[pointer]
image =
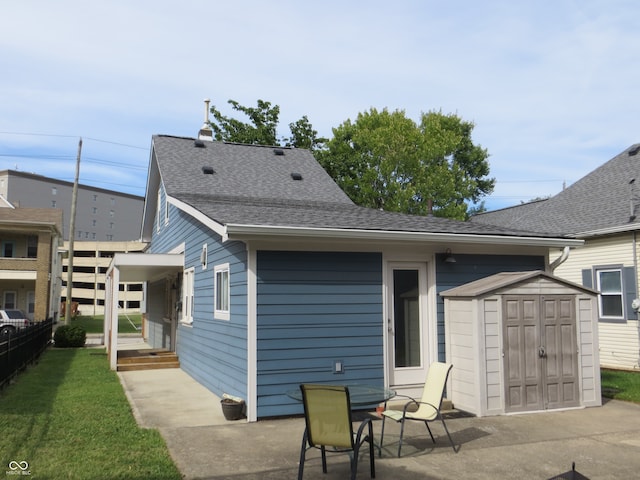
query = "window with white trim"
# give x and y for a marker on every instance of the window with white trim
(166, 212)
(187, 295)
(611, 298)
(9, 300)
(158, 210)
(222, 291)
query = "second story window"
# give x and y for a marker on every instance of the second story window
(7, 249)
(158, 210)
(32, 246)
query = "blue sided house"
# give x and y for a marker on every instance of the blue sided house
(262, 274)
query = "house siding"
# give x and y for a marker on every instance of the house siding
(213, 351)
(468, 268)
(619, 340)
(315, 308)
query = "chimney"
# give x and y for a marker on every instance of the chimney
(206, 133)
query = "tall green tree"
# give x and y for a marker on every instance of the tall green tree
(261, 127)
(385, 160)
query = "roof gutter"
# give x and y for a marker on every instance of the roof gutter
(607, 231)
(241, 232)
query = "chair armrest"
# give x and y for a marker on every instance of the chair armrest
(365, 422)
(430, 404)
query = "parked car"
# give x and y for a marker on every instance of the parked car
(11, 320)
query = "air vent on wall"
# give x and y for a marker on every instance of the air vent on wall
(208, 170)
(296, 176)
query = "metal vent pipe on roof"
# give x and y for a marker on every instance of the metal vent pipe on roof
(206, 132)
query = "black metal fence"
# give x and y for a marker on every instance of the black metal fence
(19, 349)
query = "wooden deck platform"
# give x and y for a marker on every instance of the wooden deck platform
(146, 359)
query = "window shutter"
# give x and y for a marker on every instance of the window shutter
(587, 278)
(630, 289)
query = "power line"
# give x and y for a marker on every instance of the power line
(74, 136)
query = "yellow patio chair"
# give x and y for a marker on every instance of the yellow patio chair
(428, 407)
(327, 414)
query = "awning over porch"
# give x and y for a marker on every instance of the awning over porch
(132, 267)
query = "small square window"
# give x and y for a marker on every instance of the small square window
(204, 257)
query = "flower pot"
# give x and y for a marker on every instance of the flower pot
(231, 409)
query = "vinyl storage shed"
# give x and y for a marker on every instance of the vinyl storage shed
(522, 342)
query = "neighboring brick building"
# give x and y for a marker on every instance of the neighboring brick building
(30, 261)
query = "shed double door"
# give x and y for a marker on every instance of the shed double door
(540, 352)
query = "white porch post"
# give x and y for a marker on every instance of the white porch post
(113, 315)
(107, 311)
(252, 337)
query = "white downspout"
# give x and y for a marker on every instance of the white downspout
(560, 260)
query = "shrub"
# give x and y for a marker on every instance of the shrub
(67, 336)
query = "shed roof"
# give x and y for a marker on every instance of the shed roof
(501, 280)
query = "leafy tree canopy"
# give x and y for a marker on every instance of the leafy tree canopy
(261, 129)
(385, 160)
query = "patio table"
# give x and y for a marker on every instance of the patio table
(360, 394)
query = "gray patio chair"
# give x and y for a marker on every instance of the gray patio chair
(428, 407)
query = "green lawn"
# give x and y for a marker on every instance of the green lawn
(95, 324)
(621, 385)
(68, 417)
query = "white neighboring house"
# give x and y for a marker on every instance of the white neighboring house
(603, 209)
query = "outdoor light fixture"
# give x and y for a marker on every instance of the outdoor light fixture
(448, 256)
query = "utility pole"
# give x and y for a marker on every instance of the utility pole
(72, 234)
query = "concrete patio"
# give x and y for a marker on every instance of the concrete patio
(604, 442)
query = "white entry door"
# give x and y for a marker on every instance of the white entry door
(407, 323)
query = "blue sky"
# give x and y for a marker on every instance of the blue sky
(552, 86)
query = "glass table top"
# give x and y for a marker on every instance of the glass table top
(360, 394)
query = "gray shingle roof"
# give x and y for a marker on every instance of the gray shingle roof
(253, 186)
(243, 171)
(600, 200)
